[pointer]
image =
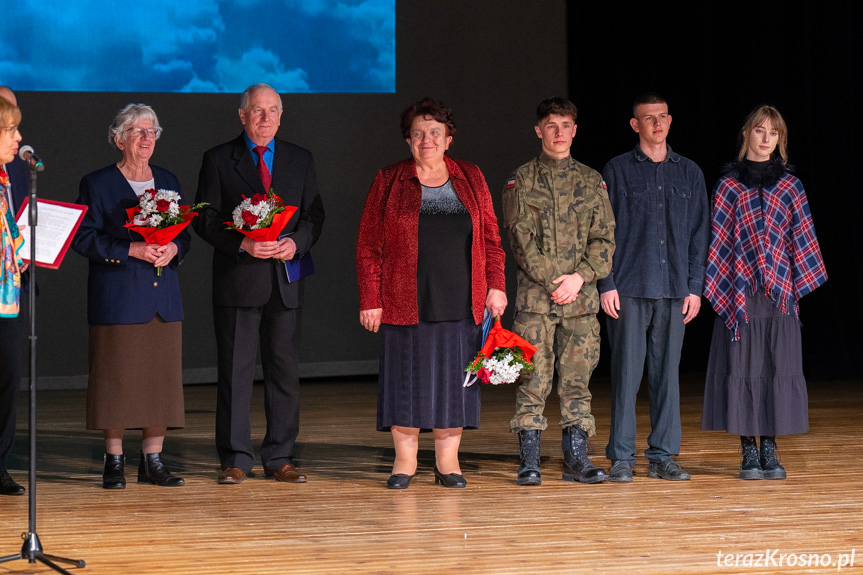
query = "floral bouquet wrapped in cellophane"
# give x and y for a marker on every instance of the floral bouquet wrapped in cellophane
(503, 358)
(159, 217)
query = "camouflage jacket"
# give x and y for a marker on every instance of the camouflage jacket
(559, 221)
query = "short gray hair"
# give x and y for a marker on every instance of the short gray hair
(127, 117)
(247, 93)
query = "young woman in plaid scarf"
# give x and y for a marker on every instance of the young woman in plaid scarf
(763, 258)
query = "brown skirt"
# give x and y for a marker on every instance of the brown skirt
(136, 376)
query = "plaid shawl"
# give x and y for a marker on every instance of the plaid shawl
(774, 249)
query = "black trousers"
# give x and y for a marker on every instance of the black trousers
(239, 330)
(13, 351)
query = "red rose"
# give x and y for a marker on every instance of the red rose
(162, 205)
(148, 194)
(484, 375)
(258, 198)
(249, 218)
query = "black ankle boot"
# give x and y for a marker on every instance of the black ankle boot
(769, 460)
(152, 470)
(528, 449)
(114, 476)
(577, 465)
(750, 467)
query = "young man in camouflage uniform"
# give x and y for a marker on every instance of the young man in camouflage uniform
(561, 230)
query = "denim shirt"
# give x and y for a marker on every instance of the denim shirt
(663, 226)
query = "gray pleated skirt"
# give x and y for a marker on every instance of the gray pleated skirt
(755, 386)
(136, 376)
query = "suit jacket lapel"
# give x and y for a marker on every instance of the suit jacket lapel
(159, 181)
(282, 159)
(123, 184)
(245, 166)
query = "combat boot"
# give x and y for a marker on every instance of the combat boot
(750, 467)
(528, 449)
(576, 463)
(769, 461)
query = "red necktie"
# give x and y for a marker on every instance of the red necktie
(263, 171)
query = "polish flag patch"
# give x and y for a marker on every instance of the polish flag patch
(511, 183)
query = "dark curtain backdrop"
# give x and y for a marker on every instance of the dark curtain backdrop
(714, 62)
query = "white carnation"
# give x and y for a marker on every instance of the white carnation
(147, 203)
(502, 370)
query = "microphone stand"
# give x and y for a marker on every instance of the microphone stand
(32, 547)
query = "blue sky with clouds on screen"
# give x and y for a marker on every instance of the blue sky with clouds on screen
(199, 45)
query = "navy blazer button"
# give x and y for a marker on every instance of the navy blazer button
(155, 284)
(106, 259)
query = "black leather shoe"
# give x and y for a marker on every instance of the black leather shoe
(399, 481)
(667, 469)
(621, 471)
(152, 470)
(8, 485)
(114, 476)
(750, 467)
(449, 480)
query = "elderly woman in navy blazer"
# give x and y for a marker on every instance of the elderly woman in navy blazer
(135, 315)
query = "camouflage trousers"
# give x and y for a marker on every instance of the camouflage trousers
(576, 341)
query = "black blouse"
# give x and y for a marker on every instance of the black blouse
(444, 256)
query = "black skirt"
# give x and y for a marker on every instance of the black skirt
(422, 375)
(755, 386)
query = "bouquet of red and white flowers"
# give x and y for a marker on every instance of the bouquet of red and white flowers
(159, 217)
(503, 358)
(261, 217)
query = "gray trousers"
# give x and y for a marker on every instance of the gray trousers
(652, 330)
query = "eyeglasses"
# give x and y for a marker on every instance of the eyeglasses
(149, 132)
(10, 129)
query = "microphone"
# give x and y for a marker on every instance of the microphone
(33, 161)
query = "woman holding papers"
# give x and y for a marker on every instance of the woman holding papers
(429, 262)
(133, 305)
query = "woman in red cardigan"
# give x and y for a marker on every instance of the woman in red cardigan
(429, 262)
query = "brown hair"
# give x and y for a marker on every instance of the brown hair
(555, 105)
(646, 98)
(756, 118)
(434, 109)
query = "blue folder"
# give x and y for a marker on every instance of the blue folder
(298, 268)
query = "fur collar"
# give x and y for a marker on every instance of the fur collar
(743, 172)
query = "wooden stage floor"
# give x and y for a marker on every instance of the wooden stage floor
(344, 520)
